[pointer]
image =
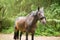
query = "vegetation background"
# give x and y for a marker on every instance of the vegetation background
(11, 9)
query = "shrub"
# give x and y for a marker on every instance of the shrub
(7, 24)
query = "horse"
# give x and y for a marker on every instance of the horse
(27, 24)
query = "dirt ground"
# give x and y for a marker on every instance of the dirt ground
(10, 37)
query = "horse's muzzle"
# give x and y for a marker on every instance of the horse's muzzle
(43, 21)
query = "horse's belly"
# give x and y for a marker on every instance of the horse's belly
(22, 28)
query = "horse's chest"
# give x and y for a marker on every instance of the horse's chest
(32, 28)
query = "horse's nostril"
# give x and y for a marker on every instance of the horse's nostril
(43, 22)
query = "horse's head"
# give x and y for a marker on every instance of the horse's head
(40, 15)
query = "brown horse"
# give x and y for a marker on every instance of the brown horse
(28, 23)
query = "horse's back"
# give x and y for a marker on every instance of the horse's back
(20, 19)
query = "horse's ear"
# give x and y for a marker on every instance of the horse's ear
(38, 8)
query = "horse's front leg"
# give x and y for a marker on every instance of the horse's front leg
(27, 31)
(20, 35)
(32, 36)
(26, 35)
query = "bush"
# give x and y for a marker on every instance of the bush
(7, 24)
(52, 28)
(53, 11)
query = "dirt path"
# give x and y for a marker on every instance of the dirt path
(10, 37)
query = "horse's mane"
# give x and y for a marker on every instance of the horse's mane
(32, 13)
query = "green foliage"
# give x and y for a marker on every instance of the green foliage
(51, 28)
(7, 24)
(53, 12)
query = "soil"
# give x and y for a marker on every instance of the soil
(10, 37)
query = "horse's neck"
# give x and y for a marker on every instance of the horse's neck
(35, 20)
(31, 19)
(35, 17)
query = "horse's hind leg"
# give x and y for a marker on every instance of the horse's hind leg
(16, 33)
(20, 35)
